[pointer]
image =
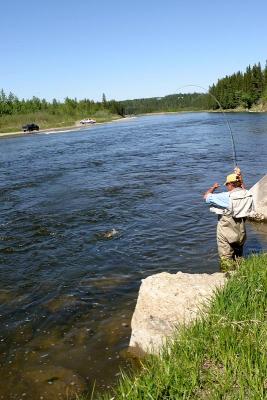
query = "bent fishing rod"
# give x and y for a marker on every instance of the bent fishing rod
(227, 122)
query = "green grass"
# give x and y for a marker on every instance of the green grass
(45, 120)
(223, 355)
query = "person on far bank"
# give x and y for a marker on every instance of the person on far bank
(232, 207)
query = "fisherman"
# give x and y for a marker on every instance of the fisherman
(232, 208)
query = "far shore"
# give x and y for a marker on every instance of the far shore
(77, 126)
(71, 128)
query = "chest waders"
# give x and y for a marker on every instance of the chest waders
(231, 228)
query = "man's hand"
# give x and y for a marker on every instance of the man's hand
(238, 173)
(216, 185)
(211, 190)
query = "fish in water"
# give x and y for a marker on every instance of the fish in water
(108, 234)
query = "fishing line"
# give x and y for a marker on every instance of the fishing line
(227, 122)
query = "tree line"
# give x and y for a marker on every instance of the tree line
(236, 90)
(170, 103)
(242, 89)
(11, 105)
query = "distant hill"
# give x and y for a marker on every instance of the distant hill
(170, 103)
(239, 91)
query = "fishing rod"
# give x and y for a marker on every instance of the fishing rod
(228, 123)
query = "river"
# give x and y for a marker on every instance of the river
(68, 290)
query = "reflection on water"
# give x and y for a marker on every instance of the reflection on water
(84, 217)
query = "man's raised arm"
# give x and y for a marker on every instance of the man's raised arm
(211, 190)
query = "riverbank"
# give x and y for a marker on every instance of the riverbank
(63, 129)
(222, 355)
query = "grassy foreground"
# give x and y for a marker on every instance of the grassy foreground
(223, 355)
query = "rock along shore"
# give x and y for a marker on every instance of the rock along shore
(259, 193)
(166, 301)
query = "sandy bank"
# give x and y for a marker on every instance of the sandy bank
(76, 127)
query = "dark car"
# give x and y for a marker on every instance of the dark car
(30, 128)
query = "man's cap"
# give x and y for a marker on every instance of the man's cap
(231, 179)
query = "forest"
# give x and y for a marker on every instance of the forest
(241, 90)
(14, 112)
(10, 105)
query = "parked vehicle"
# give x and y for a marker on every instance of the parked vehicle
(30, 128)
(87, 121)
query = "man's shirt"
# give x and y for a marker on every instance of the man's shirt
(220, 200)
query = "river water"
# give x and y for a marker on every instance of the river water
(68, 290)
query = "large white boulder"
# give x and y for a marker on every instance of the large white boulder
(164, 302)
(259, 193)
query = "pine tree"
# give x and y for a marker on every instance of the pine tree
(104, 100)
(256, 82)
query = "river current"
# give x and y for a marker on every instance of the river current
(84, 216)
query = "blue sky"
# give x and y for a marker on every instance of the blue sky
(126, 49)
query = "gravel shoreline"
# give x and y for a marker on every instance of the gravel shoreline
(76, 127)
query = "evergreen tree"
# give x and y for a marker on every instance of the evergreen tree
(256, 82)
(104, 100)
